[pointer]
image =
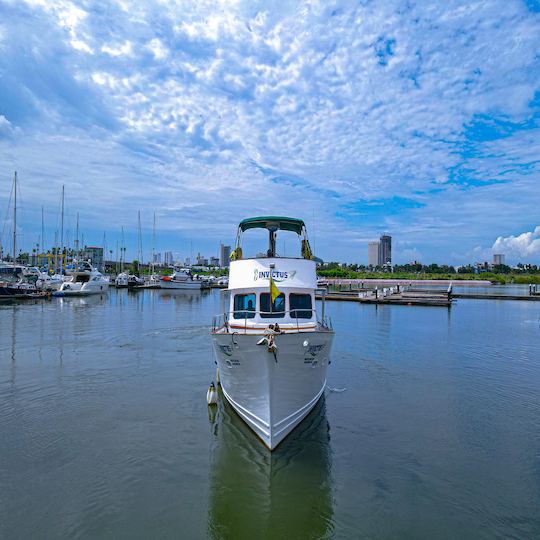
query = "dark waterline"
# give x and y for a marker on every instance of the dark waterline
(430, 427)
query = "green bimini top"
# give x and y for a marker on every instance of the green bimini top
(277, 222)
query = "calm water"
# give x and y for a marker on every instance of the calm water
(430, 428)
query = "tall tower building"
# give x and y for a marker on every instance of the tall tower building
(373, 254)
(224, 255)
(385, 250)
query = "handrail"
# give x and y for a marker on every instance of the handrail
(259, 312)
(227, 316)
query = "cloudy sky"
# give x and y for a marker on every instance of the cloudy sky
(416, 119)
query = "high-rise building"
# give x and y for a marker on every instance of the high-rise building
(373, 254)
(224, 255)
(157, 258)
(498, 258)
(94, 254)
(214, 261)
(385, 250)
(168, 258)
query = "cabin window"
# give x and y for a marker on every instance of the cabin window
(300, 306)
(244, 306)
(278, 306)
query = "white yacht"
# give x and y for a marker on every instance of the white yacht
(49, 282)
(182, 278)
(121, 281)
(272, 347)
(17, 282)
(84, 280)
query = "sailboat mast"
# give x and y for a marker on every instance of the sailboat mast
(122, 252)
(15, 218)
(153, 244)
(77, 236)
(139, 238)
(42, 231)
(62, 223)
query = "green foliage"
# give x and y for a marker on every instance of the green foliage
(341, 273)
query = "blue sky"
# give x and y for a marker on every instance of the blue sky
(416, 119)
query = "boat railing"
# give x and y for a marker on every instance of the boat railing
(222, 321)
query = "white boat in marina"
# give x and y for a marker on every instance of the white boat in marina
(121, 280)
(17, 282)
(153, 281)
(272, 347)
(135, 281)
(182, 278)
(84, 280)
(49, 282)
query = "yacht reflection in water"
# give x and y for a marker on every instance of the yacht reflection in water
(259, 494)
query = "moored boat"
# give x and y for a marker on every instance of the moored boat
(272, 346)
(121, 280)
(182, 278)
(152, 282)
(84, 280)
(16, 281)
(134, 281)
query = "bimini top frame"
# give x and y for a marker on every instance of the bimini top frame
(272, 224)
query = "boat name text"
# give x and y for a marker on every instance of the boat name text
(277, 275)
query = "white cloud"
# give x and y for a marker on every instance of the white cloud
(158, 49)
(125, 49)
(312, 102)
(526, 244)
(6, 129)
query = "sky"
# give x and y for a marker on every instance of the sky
(416, 119)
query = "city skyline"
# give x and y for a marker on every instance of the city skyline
(420, 120)
(183, 246)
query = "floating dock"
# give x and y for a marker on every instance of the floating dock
(393, 298)
(355, 291)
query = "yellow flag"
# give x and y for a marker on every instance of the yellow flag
(274, 291)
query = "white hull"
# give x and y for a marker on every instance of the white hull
(189, 285)
(273, 394)
(83, 289)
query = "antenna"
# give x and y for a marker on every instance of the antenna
(313, 230)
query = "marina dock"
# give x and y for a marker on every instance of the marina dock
(394, 298)
(402, 293)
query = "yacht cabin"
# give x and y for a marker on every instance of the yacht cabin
(251, 306)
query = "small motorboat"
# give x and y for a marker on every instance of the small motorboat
(153, 282)
(182, 278)
(121, 280)
(135, 282)
(84, 280)
(49, 282)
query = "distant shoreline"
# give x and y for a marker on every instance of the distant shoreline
(390, 282)
(487, 278)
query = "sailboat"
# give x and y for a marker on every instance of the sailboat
(13, 282)
(272, 347)
(153, 281)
